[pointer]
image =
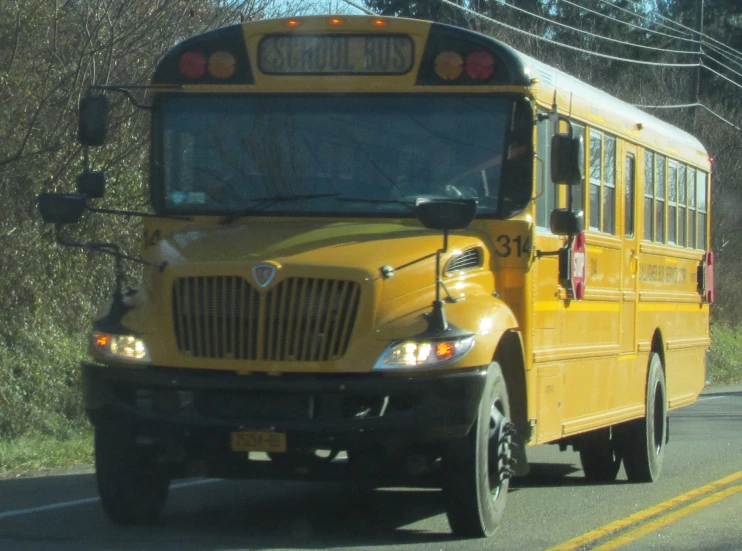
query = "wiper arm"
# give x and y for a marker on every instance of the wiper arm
(266, 202)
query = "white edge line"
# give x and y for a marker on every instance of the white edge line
(64, 504)
(707, 398)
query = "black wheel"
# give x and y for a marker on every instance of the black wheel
(133, 490)
(477, 468)
(599, 457)
(642, 442)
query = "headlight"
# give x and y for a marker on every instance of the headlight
(120, 347)
(411, 354)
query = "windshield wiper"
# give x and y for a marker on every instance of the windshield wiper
(407, 204)
(267, 202)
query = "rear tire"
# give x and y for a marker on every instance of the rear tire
(599, 457)
(477, 468)
(133, 490)
(642, 442)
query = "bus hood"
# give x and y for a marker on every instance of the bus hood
(314, 248)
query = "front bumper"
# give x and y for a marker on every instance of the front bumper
(317, 410)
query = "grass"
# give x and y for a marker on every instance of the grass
(726, 355)
(36, 452)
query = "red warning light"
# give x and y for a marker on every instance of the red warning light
(479, 65)
(192, 65)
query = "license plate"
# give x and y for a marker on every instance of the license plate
(258, 441)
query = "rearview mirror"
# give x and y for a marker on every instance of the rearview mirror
(91, 130)
(567, 159)
(92, 184)
(61, 208)
(446, 214)
(566, 222)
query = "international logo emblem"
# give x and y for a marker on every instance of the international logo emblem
(264, 274)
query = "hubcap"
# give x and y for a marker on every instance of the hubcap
(501, 461)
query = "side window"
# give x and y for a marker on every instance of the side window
(692, 207)
(701, 188)
(546, 201)
(629, 189)
(672, 202)
(648, 195)
(578, 191)
(596, 176)
(682, 204)
(659, 198)
(609, 184)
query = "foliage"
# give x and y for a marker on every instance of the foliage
(726, 351)
(50, 52)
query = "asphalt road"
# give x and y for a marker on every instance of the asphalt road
(552, 508)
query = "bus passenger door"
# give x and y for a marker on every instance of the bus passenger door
(629, 253)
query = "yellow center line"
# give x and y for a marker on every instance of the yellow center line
(667, 519)
(608, 529)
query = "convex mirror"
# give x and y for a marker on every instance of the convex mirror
(92, 184)
(446, 214)
(93, 122)
(567, 159)
(566, 222)
(61, 208)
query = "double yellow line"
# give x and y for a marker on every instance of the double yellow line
(631, 520)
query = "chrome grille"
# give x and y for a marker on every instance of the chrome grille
(466, 260)
(299, 319)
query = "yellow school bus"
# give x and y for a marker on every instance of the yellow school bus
(383, 248)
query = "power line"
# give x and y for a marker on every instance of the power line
(703, 43)
(710, 46)
(686, 105)
(725, 66)
(717, 73)
(567, 46)
(645, 18)
(674, 37)
(712, 39)
(722, 54)
(601, 37)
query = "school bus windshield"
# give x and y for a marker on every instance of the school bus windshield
(337, 155)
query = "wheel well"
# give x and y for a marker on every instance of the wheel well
(658, 346)
(509, 355)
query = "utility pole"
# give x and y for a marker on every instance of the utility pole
(695, 84)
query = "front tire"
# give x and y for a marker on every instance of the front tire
(133, 490)
(642, 443)
(477, 468)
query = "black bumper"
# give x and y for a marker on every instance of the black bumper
(312, 409)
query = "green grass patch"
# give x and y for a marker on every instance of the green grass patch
(36, 452)
(726, 355)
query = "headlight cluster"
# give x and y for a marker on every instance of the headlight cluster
(411, 354)
(120, 347)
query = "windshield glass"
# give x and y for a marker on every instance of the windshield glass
(337, 155)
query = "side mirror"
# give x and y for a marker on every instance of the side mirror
(91, 130)
(567, 159)
(61, 208)
(92, 184)
(446, 214)
(566, 222)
